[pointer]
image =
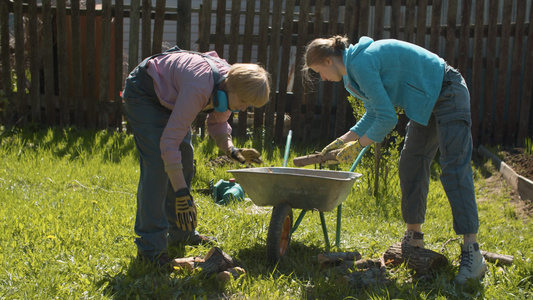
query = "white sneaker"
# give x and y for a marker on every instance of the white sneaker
(472, 265)
(413, 238)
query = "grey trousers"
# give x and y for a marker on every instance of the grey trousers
(156, 207)
(449, 131)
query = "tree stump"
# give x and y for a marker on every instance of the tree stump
(418, 259)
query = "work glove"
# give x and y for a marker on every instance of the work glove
(185, 210)
(349, 152)
(336, 144)
(245, 155)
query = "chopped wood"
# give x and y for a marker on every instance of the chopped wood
(216, 261)
(498, 258)
(230, 273)
(419, 259)
(312, 159)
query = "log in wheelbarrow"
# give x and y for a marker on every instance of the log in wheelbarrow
(287, 188)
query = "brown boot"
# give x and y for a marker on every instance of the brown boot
(413, 238)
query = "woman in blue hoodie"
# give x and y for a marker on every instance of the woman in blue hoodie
(389, 73)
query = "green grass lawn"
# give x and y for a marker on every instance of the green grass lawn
(68, 208)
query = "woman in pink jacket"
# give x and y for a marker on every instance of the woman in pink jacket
(163, 96)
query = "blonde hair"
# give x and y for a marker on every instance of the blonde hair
(250, 82)
(321, 48)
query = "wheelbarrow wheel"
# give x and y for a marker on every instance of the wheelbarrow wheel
(279, 232)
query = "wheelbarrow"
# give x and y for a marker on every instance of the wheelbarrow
(286, 189)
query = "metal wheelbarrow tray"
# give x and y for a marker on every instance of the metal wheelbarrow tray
(307, 189)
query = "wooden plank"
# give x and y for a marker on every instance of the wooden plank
(500, 122)
(436, 11)
(516, 70)
(183, 32)
(477, 71)
(221, 27)
(204, 30)
(48, 58)
(133, 39)
(117, 63)
(35, 63)
(296, 112)
(319, 19)
(205, 25)
(247, 55)
(489, 83)
(234, 31)
(450, 33)
(353, 34)
(159, 23)
(395, 20)
(525, 124)
(20, 65)
(327, 88)
(310, 131)
(273, 69)
(262, 54)
(379, 21)
(146, 28)
(76, 93)
(464, 38)
(4, 48)
(248, 31)
(284, 70)
(62, 65)
(133, 44)
(364, 17)
(410, 9)
(90, 67)
(105, 60)
(232, 57)
(342, 95)
(421, 23)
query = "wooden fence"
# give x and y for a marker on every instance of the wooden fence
(65, 65)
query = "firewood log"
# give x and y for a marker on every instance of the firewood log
(216, 261)
(419, 259)
(312, 159)
(498, 258)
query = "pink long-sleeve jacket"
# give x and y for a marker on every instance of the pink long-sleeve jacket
(184, 84)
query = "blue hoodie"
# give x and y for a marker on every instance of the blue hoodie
(389, 73)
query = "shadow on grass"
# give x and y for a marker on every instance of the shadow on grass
(72, 142)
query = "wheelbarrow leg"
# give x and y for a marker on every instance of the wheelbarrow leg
(338, 234)
(325, 230)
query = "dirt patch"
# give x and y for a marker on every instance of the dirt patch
(519, 160)
(495, 184)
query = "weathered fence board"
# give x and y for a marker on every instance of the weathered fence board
(527, 94)
(19, 60)
(516, 69)
(133, 55)
(500, 123)
(90, 67)
(159, 22)
(35, 87)
(48, 65)
(146, 27)
(76, 93)
(118, 65)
